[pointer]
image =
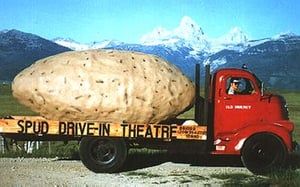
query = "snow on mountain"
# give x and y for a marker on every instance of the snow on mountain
(104, 44)
(70, 43)
(76, 46)
(235, 36)
(190, 34)
(159, 36)
(187, 34)
(236, 39)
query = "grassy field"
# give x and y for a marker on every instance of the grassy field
(10, 106)
(293, 100)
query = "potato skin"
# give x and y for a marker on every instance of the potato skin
(105, 85)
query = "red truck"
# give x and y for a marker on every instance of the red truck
(249, 122)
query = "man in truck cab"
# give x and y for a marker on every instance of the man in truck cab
(234, 86)
(241, 86)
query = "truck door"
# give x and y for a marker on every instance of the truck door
(235, 109)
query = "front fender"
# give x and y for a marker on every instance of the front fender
(232, 142)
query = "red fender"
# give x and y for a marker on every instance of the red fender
(232, 142)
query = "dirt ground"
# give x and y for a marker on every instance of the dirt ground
(139, 170)
(56, 172)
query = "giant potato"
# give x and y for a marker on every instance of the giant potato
(106, 85)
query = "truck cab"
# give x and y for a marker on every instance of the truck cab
(252, 122)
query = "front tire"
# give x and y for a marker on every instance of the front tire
(264, 153)
(103, 155)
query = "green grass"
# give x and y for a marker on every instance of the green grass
(9, 105)
(293, 100)
(46, 150)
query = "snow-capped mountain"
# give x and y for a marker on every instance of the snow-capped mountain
(187, 34)
(235, 36)
(190, 34)
(236, 39)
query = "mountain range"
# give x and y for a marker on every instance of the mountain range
(274, 60)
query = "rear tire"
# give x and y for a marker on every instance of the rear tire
(103, 155)
(264, 153)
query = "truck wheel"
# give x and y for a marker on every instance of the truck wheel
(103, 154)
(264, 153)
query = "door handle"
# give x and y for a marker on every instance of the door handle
(227, 98)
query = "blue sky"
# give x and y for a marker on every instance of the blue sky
(127, 20)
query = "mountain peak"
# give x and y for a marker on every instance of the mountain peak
(238, 35)
(187, 27)
(236, 39)
(188, 34)
(17, 34)
(19, 38)
(235, 36)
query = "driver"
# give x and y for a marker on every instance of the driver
(234, 86)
